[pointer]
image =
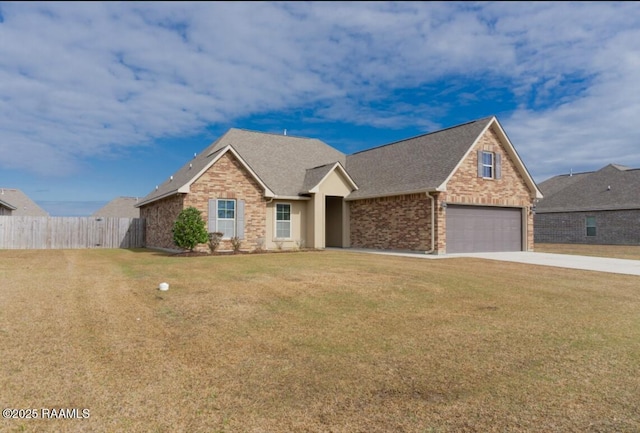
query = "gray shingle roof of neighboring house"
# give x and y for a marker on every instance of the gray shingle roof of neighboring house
(416, 164)
(289, 166)
(19, 203)
(119, 207)
(613, 187)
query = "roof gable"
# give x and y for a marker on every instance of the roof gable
(214, 156)
(613, 187)
(316, 176)
(508, 148)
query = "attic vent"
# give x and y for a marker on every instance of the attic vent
(609, 188)
(194, 155)
(170, 178)
(156, 187)
(190, 165)
(285, 132)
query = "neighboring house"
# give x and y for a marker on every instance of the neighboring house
(599, 207)
(16, 203)
(456, 190)
(119, 207)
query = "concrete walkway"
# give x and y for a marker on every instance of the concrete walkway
(599, 264)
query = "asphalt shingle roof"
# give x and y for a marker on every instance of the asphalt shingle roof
(415, 164)
(280, 161)
(22, 204)
(119, 207)
(289, 166)
(613, 187)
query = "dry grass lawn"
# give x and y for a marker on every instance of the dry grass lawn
(631, 252)
(315, 342)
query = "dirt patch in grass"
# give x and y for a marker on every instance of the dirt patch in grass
(326, 342)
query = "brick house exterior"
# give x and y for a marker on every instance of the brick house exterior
(287, 191)
(400, 222)
(599, 207)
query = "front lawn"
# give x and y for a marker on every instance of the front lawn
(631, 252)
(332, 341)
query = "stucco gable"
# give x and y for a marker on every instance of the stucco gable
(316, 176)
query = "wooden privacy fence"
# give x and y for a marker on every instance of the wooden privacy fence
(21, 232)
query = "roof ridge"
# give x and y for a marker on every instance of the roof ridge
(274, 133)
(424, 135)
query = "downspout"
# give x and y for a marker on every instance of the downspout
(433, 217)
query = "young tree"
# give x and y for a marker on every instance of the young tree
(190, 229)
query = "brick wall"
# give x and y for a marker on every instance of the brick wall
(404, 222)
(160, 217)
(620, 227)
(465, 187)
(227, 178)
(398, 223)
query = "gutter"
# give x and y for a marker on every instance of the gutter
(433, 228)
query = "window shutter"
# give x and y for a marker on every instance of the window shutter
(479, 163)
(240, 220)
(213, 214)
(498, 163)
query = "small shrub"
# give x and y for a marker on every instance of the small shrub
(235, 243)
(279, 243)
(260, 244)
(189, 229)
(214, 240)
(300, 244)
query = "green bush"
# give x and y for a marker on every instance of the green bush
(189, 229)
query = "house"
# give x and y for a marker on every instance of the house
(597, 207)
(456, 190)
(14, 202)
(119, 207)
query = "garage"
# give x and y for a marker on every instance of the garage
(472, 229)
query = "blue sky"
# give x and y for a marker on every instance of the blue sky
(107, 99)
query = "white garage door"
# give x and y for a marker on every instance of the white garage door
(472, 229)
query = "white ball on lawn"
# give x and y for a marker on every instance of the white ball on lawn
(164, 286)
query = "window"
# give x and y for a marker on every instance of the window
(487, 165)
(283, 221)
(591, 226)
(226, 222)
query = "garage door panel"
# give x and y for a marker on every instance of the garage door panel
(483, 229)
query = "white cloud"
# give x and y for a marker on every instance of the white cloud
(89, 79)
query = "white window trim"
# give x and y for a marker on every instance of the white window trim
(235, 215)
(275, 222)
(492, 166)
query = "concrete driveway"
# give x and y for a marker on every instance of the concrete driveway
(598, 264)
